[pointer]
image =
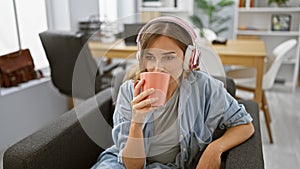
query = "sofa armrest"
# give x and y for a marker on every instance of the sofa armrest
(248, 155)
(62, 144)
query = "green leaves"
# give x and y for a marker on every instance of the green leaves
(224, 3)
(208, 4)
(202, 4)
(211, 10)
(278, 2)
(196, 21)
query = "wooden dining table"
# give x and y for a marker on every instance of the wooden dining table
(249, 53)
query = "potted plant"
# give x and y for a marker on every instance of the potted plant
(211, 8)
(278, 2)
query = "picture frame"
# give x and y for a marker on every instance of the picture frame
(280, 22)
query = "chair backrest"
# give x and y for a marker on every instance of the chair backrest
(209, 34)
(130, 33)
(63, 50)
(277, 57)
(210, 61)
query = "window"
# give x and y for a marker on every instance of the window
(32, 20)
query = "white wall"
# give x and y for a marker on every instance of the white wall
(82, 10)
(65, 14)
(108, 10)
(58, 14)
(127, 14)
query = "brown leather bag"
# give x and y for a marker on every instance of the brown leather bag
(17, 67)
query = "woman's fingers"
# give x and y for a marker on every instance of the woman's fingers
(142, 96)
(141, 103)
(145, 103)
(139, 116)
(137, 87)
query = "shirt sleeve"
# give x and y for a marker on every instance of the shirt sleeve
(224, 110)
(122, 117)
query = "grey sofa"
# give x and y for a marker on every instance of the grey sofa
(65, 144)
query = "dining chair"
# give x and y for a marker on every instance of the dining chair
(73, 70)
(209, 34)
(245, 78)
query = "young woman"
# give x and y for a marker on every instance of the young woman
(178, 134)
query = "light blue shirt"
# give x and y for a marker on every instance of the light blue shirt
(204, 104)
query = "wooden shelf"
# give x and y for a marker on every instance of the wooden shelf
(23, 86)
(274, 9)
(268, 33)
(161, 9)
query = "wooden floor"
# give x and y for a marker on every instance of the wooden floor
(285, 113)
(285, 124)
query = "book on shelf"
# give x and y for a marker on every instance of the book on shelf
(247, 3)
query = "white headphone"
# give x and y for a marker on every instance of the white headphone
(192, 54)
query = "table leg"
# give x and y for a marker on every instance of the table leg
(259, 64)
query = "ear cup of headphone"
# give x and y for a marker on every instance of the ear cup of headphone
(189, 55)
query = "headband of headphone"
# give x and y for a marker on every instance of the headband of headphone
(191, 58)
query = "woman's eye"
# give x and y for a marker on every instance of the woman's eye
(170, 57)
(149, 57)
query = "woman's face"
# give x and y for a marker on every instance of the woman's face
(164, 55)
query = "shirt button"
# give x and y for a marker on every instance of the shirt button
(185, 160)
(181, 137)
(184, 149)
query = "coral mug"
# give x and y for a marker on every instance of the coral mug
(160, 82)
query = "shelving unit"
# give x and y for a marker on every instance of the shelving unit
(162, 9)
(258, 22)
(180, 8)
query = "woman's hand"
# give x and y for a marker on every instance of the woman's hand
(140, 105)
(210, 159)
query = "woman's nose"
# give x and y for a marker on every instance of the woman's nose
(158, 66)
